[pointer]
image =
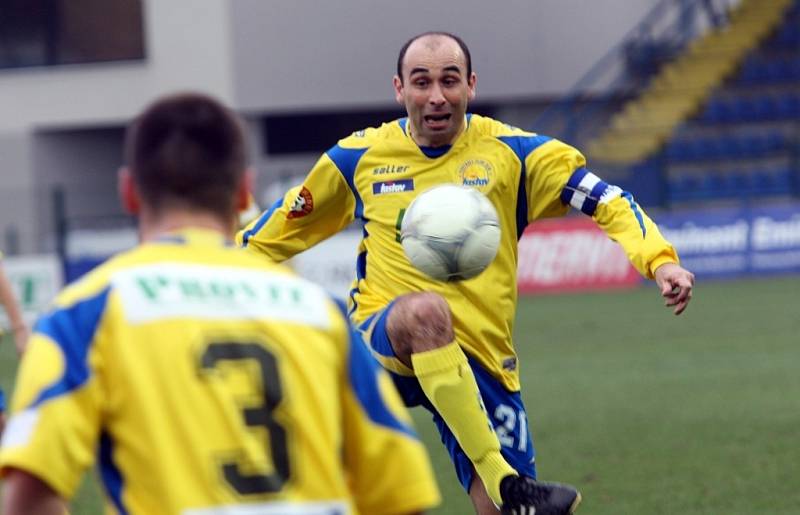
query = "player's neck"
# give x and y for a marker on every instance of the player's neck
(153, 226)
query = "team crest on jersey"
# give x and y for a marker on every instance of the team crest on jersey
(476, 173)
(303, 204)
(401, 186)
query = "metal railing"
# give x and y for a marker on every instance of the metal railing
(628, 67)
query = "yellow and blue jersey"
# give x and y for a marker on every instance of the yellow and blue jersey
(206, 380)
(374, 174)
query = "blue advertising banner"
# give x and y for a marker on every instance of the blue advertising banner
(735, 242)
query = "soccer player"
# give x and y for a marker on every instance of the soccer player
(207, 380)
(444, 342)
(16, 323)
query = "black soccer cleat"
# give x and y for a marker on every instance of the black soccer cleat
(525, 496)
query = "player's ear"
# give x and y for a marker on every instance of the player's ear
(128, 193)
(472, 82)
(398, 90)
(244, 192)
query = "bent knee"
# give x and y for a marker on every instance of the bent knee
(420, 322)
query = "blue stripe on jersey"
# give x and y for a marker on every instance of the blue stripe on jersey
(352, 294)
(2, 401)
(577, 193)
(434, 152)
(590, 204)
(346, 160)
(522, 205)
(636, 211)
(363, 370)
(261, 221)
(522, 147)
(361, 273)
(72, 329)
(572, 185)
(403, 123)
(109, 473)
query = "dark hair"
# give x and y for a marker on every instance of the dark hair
(187, 149)
(455, 38)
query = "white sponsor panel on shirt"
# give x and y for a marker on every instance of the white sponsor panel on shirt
(176, 290)
(275, 508)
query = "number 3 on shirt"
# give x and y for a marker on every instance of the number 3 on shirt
(249, 484)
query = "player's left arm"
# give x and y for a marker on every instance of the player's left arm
(557, 179)
(676, 284)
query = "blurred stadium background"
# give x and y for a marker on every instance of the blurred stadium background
(693, 105)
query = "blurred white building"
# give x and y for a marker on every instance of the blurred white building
(301, 72)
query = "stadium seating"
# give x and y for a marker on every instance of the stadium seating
(744, 143)
(681, 87)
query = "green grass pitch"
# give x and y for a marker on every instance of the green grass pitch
(647, 412)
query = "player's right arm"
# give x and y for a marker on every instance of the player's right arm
(13, 311)
(389, 468)
(26, 494)
(322, 206)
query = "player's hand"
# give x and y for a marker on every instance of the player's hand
(21, 335)
(676, 285)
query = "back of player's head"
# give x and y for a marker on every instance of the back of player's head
(187, 150)
(404, 49)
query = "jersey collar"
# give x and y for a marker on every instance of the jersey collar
(433, 152)
(195, 236)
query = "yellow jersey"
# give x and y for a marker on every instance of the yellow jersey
(374, 174)
(206, 381)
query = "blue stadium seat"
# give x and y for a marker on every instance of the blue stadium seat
(676, 150)
(738, 184)
(794, 69)
(783, 179)
(751, 71)
(775, 141)
(716, 147)
(714, 185)
(731, 146)
(716, 111)
(789, 36)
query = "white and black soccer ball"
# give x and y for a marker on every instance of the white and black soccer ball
(450, 232)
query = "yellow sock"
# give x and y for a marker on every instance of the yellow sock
(448, 382)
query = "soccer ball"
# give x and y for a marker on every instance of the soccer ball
(450, 232)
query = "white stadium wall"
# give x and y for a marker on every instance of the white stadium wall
(268, 57)
(187, 46)
(306, 53)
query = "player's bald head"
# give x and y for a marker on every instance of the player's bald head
(434, 40)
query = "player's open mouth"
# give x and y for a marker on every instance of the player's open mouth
(437, 121)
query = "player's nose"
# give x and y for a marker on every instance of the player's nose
(436, 97)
